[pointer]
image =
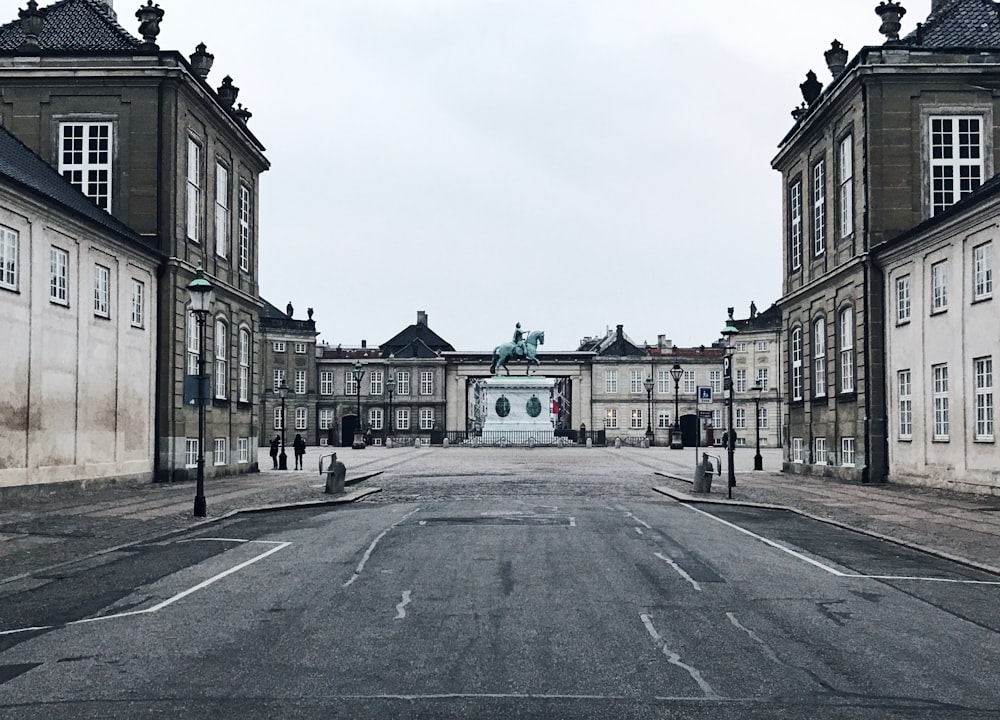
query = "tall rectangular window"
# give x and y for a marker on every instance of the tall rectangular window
(325, 419)
(845, 185)
(138, 303)
(85, 159)
(402, 382)
(278, 379)
(300, 382)
(820, 451)
(847, 451)
(762, 417)
(426, 418)
(983, 368)
(375, 418)
(982, 272)
(242, 450)
(715, 380)
(819, 207)
(635, 422)
(193, 344)
(246, 226)
(102, 291)
(221, 360)
(9, 242)
(903, 299)
(59, 276)
(403, 418)
(221, 210)
(190, 452)
(819, 357)
(663, 419)
(377, 382)
(611, 381)
(956, 158)
(221, 455)
(796, 353)
(939, 286)
(279, 418)
(193, 190)
(688, 384)
(740, 419)
(664, 383)
(325, 382)
(847, 350)
(904, 385)
(611, 417)
(301, 418)
(350, 384)
(941, 419)
(244, 388)
(741, 380)
(635, 382)
(763, 379)
(795, 224)
(797, 455)
(426, 383)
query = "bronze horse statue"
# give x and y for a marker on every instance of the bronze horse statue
(509, 350)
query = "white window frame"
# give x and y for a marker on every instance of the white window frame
(763, 379)
(904, 390)
(956, 158)
(426, 418)
(376, 418)
(847, 451)
(982, 272)
(300, 348)
(795, 224)
(689, 382)
(190, 452)
(982, 369)
(426, 383)
(278, 378)
(819, 357)
(819, 207)
(193, 176)
(377, 383)
(300, 382)
(242, 450)
(797, 456)
(941, 416)
(278, 346)
(246, 223)
(222, 211)
(847, 356)
(193, 344)
(102, 291)
(58, 276)
(611, 382)
(138, 303)
(10, 245)
(402, 418)
(741, 380)
(611, 418)
(326, 382)
(762, 417)
(301, 418)
(279, 419)
(86, 159)
(326, 416)
(903, 301)
(662, 419)
(715, 381)
(762, 345)
(635, 385)
(795, 346)
(402, 382)
(351, 385)
(220, 452)
(740, 418)
(845, 184)
(635, 419)
(819, 451)
(243, 392)
(664, 382)
(221, 359)
(939, 286)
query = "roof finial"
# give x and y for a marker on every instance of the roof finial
(891, 13)
(149, 17)
(32, 20)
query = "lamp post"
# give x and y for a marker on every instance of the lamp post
(676, 372)
(728, 332)
(390, 387)
(648, 383)
(201, 295)
(282, 457)
(758, 461)
(358, 372)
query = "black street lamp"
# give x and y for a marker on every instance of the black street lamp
(648, 383)
(202, 296)
(282, 457)
(358, 372)
(728, 332)
(758, 461)
(390, 387)
(676, 372)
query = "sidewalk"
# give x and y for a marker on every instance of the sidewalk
(45, 531)
(949, 524)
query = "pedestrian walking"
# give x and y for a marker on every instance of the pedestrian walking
(275, 444)
(300, 449)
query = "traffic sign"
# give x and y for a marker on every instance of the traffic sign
(705, 414)
(704, 394)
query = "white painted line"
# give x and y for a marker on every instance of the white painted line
(278, 545)
(371, 548)
(517, 696)
(679, 569)
(213, 539)
(401, 607)
(772, 543)
(572, 521)
(756, 638)
(422, 522)
(925, 579)
(638, 531)
(639, 520)
(675, 659)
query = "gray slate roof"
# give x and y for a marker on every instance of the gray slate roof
(416, 341)
(20, 165)
(959, 24)
(74, 25)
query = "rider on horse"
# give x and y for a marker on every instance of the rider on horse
(519, 341)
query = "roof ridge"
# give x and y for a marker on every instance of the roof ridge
(74, 25)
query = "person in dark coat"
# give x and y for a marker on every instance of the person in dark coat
(300, 449)
(275, 444)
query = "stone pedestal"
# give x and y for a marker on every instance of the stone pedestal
(519, 411)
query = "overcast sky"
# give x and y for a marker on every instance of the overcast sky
(567, 164)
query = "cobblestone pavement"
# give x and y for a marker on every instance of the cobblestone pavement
(45, 531)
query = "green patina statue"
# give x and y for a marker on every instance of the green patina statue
(522, 347)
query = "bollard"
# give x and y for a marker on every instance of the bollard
(416, 443)
(618, 443)
(335, 475)
(590, 442)
(561, 442)
(388, 443)
(445, 443)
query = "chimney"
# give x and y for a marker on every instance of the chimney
(937, 5)
(663, 343)
(422, 317)
(364, 344)
(620, 332)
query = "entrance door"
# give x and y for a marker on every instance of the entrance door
(689, 430)
(348, 426)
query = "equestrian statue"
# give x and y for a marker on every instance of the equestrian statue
(522, 347)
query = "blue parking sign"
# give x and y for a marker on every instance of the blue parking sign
(704, 393)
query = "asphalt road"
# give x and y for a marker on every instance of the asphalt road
(518, 591)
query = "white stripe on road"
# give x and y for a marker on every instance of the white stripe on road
(371, 548)
(956, 581)
(675, 659)
(772, 543)
(638, 531)
(169, 601)
(680, 570)
(401, 607)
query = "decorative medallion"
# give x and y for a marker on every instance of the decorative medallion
(503, 406)
(534, 406)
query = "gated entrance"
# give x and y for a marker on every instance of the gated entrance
(349, 425)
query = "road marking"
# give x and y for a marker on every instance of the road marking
(572, 521)
(756, 638)
(278, 545)
(638, 531)
(772, 543)
(679, 569)
(639, 520)
(525, 696)
(675, 659)
(371, 548)
(957, 581)
(401, 607)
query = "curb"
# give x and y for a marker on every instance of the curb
(689, 499)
